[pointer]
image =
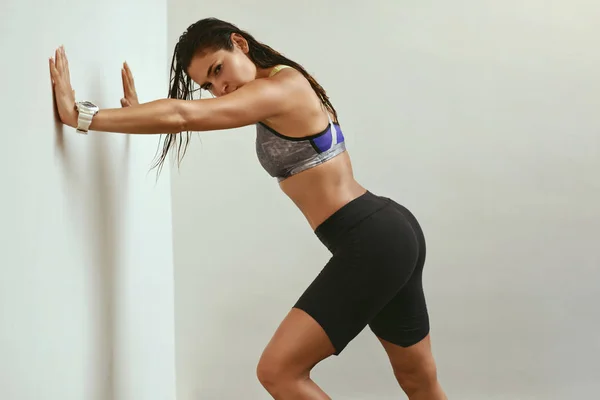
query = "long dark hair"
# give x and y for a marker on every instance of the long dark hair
(214, 34)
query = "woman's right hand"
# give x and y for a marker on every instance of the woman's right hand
(129, 94)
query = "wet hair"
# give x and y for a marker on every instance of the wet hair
(212, 34)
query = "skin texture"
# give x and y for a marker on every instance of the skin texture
(244, 95)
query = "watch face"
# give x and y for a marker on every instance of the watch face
(87, 106)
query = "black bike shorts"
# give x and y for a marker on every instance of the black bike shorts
(374, 276)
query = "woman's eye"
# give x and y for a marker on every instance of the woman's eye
(217, 69)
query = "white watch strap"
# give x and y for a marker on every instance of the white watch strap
(83, 122)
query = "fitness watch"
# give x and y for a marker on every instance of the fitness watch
(86, 110)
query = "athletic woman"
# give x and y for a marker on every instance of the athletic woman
(374, 276)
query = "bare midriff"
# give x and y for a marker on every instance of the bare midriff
(320, 191)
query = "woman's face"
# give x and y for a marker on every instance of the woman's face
(223, 71)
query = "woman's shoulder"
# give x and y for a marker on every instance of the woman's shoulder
(278, 68)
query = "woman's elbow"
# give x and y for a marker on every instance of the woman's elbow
(179, 125)
(179, 120)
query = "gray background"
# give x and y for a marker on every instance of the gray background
(479, 116)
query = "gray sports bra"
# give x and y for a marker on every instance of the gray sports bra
(283, 156)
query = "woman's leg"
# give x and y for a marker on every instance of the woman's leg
(299, 343)
(402, 327)
(415, 370)
(375, 252)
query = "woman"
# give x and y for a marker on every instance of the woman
(374, 276)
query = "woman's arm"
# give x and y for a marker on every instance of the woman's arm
(156, 117)
(253, 102)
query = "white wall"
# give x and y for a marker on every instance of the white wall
(481, 117)
(86, 287)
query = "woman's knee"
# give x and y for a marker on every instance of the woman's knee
(297, 346)
(273, 370)
(419, 378)
(268, 371)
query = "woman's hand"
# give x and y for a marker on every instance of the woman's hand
(130, 97)
(63, 92)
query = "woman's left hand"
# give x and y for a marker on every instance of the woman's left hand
(63, 92)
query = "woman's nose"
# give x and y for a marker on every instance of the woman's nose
(225, 89)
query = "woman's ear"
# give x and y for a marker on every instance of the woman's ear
(240, 42)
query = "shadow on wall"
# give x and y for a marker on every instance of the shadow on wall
(96, 186)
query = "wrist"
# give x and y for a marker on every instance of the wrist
(74, 119)
(83, 114)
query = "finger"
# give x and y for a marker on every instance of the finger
(124, 79)
(129, 73)
(127, 87)
(63, 55)
(54, 71)
(65, 59)
(130, 79)
(125, 103)
(125, 72)
(58, 60)
(130, 88)
(51, 65)
(66, 64)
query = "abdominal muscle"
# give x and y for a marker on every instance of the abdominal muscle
(322, 190)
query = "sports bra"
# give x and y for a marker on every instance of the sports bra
(283, 156)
